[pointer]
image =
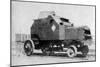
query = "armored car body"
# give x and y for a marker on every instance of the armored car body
(51, 33)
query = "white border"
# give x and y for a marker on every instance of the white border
(5, 33)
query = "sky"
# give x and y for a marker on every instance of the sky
(23, 14)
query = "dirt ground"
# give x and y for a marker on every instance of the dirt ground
(18, 56)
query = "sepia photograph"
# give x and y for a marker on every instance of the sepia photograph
(52, 33)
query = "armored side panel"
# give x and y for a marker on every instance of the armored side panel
(49, 29)
(74, 33)
(43, 28)
(62, 32)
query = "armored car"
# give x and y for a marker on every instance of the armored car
(51, 33)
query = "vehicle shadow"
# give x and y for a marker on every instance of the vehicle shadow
(56, 55)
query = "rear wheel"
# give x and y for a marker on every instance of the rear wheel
(28, 48)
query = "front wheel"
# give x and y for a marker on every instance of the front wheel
(71, 52)
(28, 48)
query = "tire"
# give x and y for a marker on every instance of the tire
(84, 51)
(71, 52)
(28, 48)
